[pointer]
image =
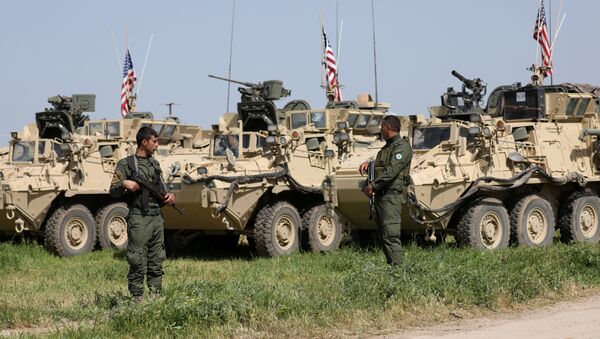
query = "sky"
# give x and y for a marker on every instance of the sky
(66, 47)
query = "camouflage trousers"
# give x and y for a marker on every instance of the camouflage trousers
(145, 253)
(387, 215)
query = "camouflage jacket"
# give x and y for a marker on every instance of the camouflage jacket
(149, 169)
(392, 166)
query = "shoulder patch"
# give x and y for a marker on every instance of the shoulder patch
(398, 156)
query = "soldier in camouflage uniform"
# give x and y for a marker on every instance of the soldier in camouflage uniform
(145, 231)
(392, 167)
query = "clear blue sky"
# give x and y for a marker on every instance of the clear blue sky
(65, 47)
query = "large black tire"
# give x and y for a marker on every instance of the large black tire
(277, 230)
(70, 231)
(111, 225)
(323, 231)
(484, 224)
(580, 219)
(532, 221)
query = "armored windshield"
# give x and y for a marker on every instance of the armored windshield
(298, 120)
(425, 138)
(318, 119)
(23, 151)
(223, 142)
(522, 104)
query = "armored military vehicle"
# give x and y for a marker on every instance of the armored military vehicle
(264, 175)
(513, 171)
(56, 180)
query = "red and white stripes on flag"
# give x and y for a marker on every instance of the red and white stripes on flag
(127, 84)
(331, 68)
(540, 34)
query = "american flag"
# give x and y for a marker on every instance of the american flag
(127, 85)
(540, 34)
(331, 68)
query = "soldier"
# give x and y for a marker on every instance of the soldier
(145, 231)
(392, 167)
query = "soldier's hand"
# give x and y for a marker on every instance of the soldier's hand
(170, 199)
(131, 185)
(363, 168)
(368, 190)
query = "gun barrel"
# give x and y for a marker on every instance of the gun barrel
(459, 76)
(247, 84)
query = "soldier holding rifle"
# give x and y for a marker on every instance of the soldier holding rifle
(391, 167)
(138, 181)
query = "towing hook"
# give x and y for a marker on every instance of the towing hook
(10, 212)
(19, 225)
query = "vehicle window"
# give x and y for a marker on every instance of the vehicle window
(374, 122)
(157, 128)
(245, 141)
(23, 151)
(582, 106)
(362, 121)
(425, 138)
(113, 129)
(167, 131)
(318, 119)
(41, 147)
(223, 142)
(571, 106)
(352, 119)
(96, 127)
(298, 120)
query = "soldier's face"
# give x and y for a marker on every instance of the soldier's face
(150, 145)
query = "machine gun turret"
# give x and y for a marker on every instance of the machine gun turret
(266, 91)
(65, 115)
(256, 109)
(477, 87)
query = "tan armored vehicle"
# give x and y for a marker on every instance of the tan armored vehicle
(56, 180)
(266, 168)
(516, 170)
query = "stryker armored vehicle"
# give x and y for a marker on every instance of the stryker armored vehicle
(514, 171)
(265, 172)
(57, 177)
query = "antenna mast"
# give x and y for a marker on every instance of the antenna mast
(230, 53)
(144, 67)
(374, 53)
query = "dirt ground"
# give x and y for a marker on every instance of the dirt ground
(578, 318)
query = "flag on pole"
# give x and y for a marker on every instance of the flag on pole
(127, 85)
(540, 34)
(333, 84)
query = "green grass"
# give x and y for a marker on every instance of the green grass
(341, 293)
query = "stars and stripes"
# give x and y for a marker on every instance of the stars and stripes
(540, 34)
(127, 85)
(333, 85)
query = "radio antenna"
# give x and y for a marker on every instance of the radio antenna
(144, 67)
(230, 54)
(374, 53)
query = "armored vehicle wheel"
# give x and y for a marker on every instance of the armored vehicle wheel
(70, 230)
(484, 224)
(111, 225)
(277, 230)
(580, 221)
(324, 232)
(532, 221)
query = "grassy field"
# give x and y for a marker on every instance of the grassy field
(305, 295)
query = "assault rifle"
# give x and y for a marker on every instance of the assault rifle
(158, 193)
(370, 179)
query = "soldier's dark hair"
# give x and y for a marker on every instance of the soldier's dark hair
(145, 133)
(392, 122)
